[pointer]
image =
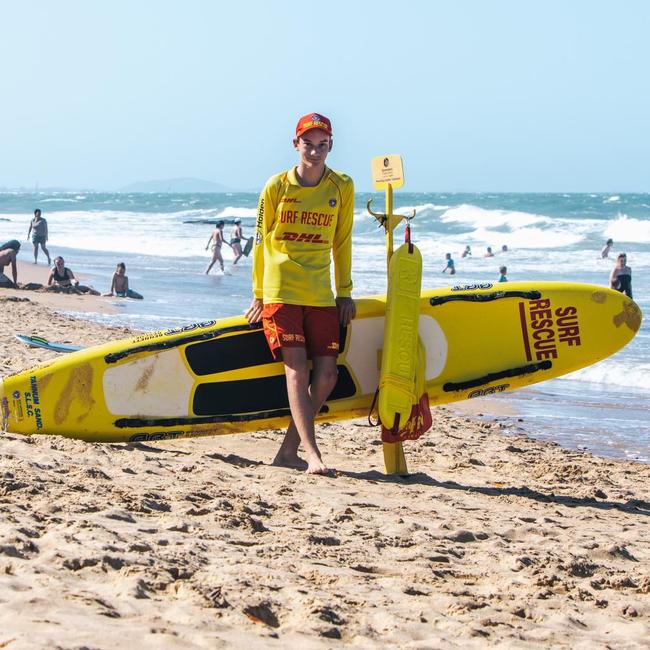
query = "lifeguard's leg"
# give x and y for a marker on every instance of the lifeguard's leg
(304, 401)
(324, 378)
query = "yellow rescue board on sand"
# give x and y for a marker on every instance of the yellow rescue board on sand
(218, 377)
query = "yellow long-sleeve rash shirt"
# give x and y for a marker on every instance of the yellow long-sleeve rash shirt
(298, 231)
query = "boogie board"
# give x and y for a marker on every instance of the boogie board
(248, 247)
(40, 342)
(218, 377)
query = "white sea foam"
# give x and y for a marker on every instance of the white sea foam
(615, 373)
(66, 199)
(237, 212)
(528, 238)
(627, 229)
(482, 218)
(612, 199)
(422, 207)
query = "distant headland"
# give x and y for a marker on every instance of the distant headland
(176, 186)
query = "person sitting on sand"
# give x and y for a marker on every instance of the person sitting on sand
(467, 251)
(449, 265)
(8, 255)
(606, 248)
(38, 230)
(503, 270)
(621, 276)
(235, 241)
(216, 241)
(62, 277)
(120, 284)
(488, 252)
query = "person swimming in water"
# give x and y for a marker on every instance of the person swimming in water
(449, 266)
(606, 248)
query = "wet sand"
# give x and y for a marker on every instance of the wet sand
(496, 539)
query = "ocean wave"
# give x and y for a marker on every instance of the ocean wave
(67, 199)
(237, 212)
(422, 207)
(527, 238)
(482, 218)
(615, 373)
(628, 229)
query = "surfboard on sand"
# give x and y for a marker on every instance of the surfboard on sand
(40, 342)
(218, 377)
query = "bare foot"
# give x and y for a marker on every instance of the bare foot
(293, 461)
(316, 466)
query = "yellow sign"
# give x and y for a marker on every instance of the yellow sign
(387, 169)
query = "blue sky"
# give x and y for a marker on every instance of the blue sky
(476, 96)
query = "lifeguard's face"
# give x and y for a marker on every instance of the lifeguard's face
(313, 146)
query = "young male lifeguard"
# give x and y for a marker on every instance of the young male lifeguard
(304, 220)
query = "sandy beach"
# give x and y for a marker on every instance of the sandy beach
(34, 274)
(495, 540)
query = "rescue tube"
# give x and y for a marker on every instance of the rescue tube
(399, 359)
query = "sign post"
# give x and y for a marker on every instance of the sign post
(387, 174)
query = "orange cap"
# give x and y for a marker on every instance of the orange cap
(313, 121)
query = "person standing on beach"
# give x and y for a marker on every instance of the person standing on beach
(40, 235)
(216, 241)
(304, 219)
(606, 248)
(8, 255)
(620, 278)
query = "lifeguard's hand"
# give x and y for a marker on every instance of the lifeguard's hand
(254, 313)
(347, 310)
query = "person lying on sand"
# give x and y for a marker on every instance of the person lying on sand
(62, 279)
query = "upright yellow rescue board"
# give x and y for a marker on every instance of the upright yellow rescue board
(218, 377)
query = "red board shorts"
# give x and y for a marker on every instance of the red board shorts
(293, 326)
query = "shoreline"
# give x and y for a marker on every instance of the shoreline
(495, 539)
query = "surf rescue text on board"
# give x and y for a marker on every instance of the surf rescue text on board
(544, 328)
